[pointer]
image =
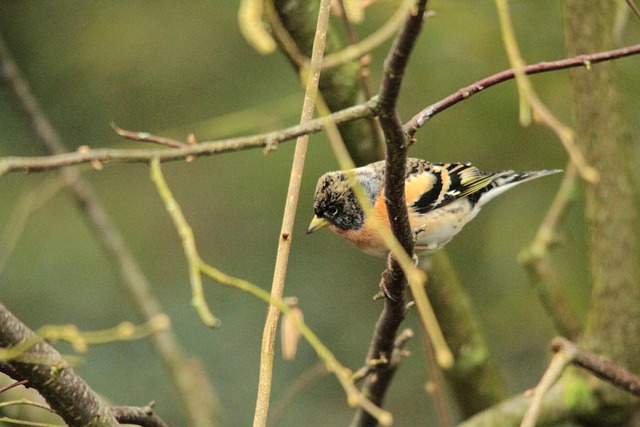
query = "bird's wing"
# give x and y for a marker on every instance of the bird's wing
(444, 183)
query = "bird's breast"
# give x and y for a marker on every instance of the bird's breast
(442, 224)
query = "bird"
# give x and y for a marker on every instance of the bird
(441, 199)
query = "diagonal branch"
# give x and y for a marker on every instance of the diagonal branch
(67, 394)
(420, 119)
(598, 366)
(293, 24)
(206, 148)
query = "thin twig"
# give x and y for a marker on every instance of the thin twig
(147, 137)
(26, 402)
(420, 119)
(393, 360)
(271, 139)
(633, 8)
(599, 366)
(384, 33)
(139, 416)
(189, 245)
(284, 241)
(551, 375)
(354, 397)
(12, 385)
(205, 148)
(15, 421)
(125, 331)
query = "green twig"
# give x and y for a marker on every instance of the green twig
(354, 397)
(363, 47)
(188, 242)
(531, 103)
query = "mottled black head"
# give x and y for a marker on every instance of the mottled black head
(336, 203)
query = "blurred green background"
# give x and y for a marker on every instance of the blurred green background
(172, 68)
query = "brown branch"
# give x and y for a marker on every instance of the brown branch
(599, 366)
(554, 407)
(147, 137)
(393, 279)
(12, 385)
(139, 416)
(271, 139)
(205, 148)
(396, 154)
(420, 119)
(396, 357)
(45, 369)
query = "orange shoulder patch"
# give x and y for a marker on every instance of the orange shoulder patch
(417, 185)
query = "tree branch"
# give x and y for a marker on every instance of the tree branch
(611, 204)
(45, 369)
(599, 366)
(270, 140)
(420, 119)
(206, 148)
(288, 218)
(138, 416)
(393, 279)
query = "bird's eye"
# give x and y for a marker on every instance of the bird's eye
(331, 211)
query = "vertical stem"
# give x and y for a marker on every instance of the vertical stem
(291, 204)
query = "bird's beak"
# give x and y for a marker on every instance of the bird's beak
(316, 224)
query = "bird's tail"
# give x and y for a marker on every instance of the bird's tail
(503, 181)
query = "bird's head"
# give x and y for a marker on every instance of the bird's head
(335, 204)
